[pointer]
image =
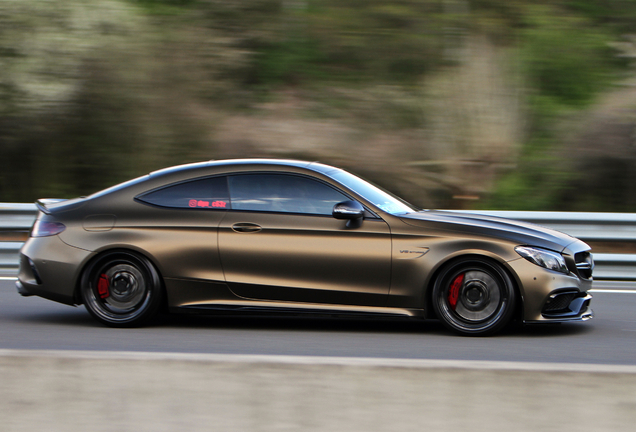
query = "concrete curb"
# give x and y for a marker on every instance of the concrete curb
(124, 391)
(319, 361)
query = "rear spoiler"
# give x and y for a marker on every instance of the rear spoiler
(44, 202)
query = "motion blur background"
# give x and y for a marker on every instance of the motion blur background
(497, 104)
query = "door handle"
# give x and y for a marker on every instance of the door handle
(246, 227)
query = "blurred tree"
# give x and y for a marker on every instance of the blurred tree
(92, 93)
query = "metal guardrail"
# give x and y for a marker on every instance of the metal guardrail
(15, 222)
(613, 229)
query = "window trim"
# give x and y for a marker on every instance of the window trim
(369, 213)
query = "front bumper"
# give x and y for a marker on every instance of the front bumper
(539, 286)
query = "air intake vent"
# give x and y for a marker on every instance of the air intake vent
(566, 304)
(558, 303)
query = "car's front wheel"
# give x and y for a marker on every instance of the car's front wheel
(121, 289)
(474, 296)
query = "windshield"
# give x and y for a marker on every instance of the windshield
(382, 199)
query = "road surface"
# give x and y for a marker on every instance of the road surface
(610, 338)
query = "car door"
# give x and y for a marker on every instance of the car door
(280, 242)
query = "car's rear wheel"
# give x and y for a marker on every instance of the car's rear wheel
(474, 296)
(121, 289)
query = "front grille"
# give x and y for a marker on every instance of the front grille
(558, 303)
(584, 264)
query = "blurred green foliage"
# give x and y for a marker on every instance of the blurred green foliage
(569, 62)
(566, 59)
(347, 41)
(96, 92)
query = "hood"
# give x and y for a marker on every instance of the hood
(522, 233)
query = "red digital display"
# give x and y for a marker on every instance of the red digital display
(207, 204)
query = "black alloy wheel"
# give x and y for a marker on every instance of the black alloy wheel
(121, 289)
(474, 296)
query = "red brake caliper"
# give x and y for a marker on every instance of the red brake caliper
(102, 286)
(453, 294)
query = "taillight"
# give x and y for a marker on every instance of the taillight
(45, 229)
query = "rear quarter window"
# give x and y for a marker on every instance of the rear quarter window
(208, 193)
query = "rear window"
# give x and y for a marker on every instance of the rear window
(207, 193)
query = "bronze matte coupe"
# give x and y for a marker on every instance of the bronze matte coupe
(296, 237)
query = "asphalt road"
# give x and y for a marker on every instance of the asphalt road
(610, 338)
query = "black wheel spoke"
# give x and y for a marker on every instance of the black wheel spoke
(121, 289)
(474, 296)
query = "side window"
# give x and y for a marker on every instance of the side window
(206, 193)
(282, 193)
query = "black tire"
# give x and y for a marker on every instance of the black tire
(121, 289)
(474, 296)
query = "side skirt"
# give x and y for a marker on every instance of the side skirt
(282, 308)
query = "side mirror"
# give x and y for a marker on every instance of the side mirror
(348, 210)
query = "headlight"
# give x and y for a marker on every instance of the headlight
(544, 258)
